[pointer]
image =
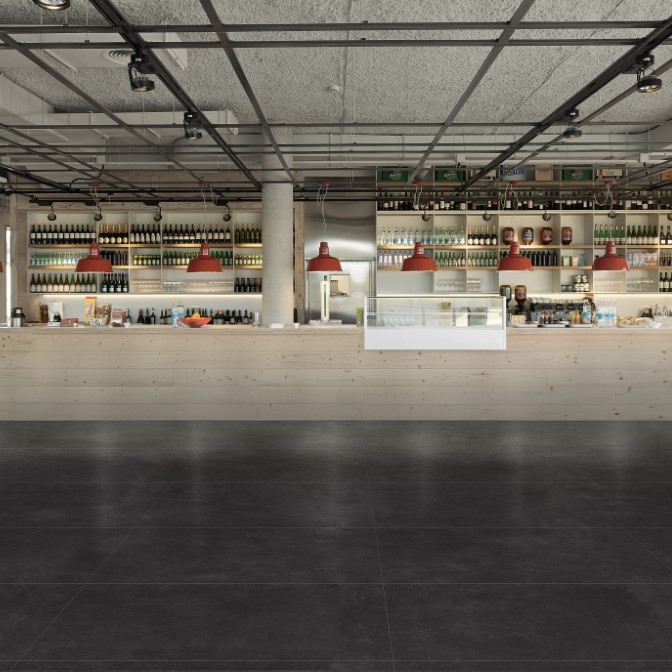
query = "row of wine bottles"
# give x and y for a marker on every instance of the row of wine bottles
(62, 235)
(118, 234)
(665, 282)
(409, 200)
(76, 283)
(217, 316)
(247, 286)
(647, 234)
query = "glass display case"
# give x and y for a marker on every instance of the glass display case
(435, 322)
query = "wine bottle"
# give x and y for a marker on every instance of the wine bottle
(33, 285)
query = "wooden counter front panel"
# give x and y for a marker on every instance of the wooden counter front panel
(131, 375)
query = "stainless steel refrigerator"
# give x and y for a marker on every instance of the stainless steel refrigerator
(351, 234)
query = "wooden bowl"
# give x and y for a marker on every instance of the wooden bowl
(195, 322)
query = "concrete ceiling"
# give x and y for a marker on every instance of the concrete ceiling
(350, 109)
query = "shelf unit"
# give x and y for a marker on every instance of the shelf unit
(445, 238)
(240, 261)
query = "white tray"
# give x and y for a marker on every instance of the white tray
(552, 326)
(580, 326)
(527, 325)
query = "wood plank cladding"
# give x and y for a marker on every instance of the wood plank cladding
(157, 374)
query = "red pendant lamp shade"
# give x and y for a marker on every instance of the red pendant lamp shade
(94, 263)
(419, 261)
(324, 262)
(514, 261)
(611, 261)
(204, 263)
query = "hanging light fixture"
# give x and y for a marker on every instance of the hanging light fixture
(547, 216)
(158, 216)
(514, 260)
(227, 213)
(94, 263)
(204, 263)
(323, 262)
(419, 261)
(611, 261)
(572, 132)
(52, 215)
(191, 129)
(138, 69)
(55, 5)
(647, 83)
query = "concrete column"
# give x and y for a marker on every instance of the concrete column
(277, 220)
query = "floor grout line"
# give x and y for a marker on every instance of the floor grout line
(88, 582)
(380, 565)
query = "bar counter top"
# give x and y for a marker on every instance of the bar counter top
(324, 373)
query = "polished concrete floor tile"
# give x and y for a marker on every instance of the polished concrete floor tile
(55, 555)
(657, 541)
(75, 504)
(632, 505)
(263, 505)
(330, 555)
(553, 555)
(482, 505)
(268, 463)
(214, 622)
(25, 612)
(64, 465)
(531, 623)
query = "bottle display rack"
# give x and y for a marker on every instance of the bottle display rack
(467, 244)
(146, 256)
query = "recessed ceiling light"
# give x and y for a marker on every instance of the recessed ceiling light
(55, 5)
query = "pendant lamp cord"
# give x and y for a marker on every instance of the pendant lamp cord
(320, 199)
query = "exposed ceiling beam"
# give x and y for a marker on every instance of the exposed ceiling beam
(503, 39)
(110, 12)
(360, 43)
(223, 37)
(92, 101)
(620, 65)
(334, 27)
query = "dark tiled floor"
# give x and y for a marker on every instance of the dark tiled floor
(339, 547)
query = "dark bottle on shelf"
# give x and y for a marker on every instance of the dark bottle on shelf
(141, 317)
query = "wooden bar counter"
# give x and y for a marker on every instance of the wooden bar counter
(248, 373)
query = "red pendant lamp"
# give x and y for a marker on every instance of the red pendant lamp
(94, 263)
(610, 261)
(514, 260)
(323, 262)
(204, 263)
(419, 261)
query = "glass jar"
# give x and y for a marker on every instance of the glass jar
(546, 236)
(520, 293)
(527, 237)
(505, 291)
(508, 235)
(567, 235)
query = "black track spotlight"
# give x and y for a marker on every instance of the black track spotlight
(53, 5)
(647, 82)
(138, 69)
(546, 216)
(227, 213)
(572, 132)
(98, 214)
(157, 214)
(191, 130)
(52, 215)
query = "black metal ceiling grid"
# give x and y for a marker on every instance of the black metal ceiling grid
(58, 154)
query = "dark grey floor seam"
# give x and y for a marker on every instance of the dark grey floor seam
(380, 565)
(624, 529)
(159, 497)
